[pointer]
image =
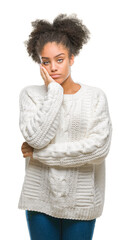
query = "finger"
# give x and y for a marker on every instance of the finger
(45, 71)
(42, 68)
(48, 77)
(25, 150)
(25, 144)
(25, 155)
(22, 147)
(28, 154)
(42, 73)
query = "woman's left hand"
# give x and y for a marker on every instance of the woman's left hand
(27, 150)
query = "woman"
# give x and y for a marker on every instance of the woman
(68, 129)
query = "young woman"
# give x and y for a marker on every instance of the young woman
(67, 130)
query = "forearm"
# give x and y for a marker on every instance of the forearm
(39, 118)
(92, 149)
(74, 154)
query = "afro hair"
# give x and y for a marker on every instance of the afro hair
(68, 30)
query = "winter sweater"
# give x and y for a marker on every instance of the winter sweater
(71, 136)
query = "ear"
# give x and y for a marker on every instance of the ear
(71, 61)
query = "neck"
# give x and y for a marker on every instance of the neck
(69, 86)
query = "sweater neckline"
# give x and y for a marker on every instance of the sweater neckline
(72, 96)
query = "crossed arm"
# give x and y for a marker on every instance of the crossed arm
(91, 150)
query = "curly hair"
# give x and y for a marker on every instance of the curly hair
(68, 30)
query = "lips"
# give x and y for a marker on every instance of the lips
(55, 75)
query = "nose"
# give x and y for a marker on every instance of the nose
(53, 67)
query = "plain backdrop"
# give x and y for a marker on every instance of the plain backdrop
(104, 62)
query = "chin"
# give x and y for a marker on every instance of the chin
(60, 81)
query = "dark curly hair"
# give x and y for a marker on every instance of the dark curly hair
(67, 30)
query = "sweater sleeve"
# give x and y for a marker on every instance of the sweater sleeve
(91, 150)
(39, 115)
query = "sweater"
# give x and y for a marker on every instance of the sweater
(71, 136)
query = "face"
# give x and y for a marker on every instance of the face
(55, 58)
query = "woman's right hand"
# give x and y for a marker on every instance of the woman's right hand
(45, 75)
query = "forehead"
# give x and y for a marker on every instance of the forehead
(52, 49)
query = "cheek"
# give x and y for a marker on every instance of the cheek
(65, 68)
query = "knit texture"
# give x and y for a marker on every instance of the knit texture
(71, 136)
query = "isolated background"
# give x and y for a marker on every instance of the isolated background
(103, 62)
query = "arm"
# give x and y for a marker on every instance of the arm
(92, 150)
(39, 115)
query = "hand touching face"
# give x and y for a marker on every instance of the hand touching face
(45, 75)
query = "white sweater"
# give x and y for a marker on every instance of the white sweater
(71, 136)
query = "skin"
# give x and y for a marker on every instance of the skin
(61, 64)
(54, 60)
(27, 150)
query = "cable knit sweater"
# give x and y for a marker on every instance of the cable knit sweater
(71, 136)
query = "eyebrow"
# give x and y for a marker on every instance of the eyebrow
(55, 56)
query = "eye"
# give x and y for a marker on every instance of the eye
(60, 60)
(45, 63)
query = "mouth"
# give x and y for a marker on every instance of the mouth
(55, 76)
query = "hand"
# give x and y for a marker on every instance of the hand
(27, 150)
(45, 75)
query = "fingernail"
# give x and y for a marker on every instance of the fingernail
(41, 66)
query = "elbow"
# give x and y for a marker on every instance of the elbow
(100, 155)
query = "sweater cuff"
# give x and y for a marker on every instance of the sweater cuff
(53, 85)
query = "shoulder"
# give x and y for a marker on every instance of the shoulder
(97, 98)
(34, 89)
(94, 91)
(32, 95)
(33, 92)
